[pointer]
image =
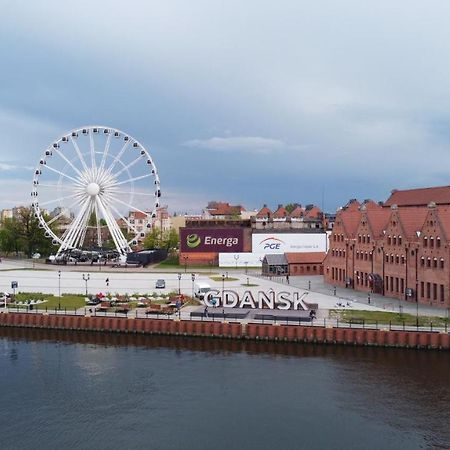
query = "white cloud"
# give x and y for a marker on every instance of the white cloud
(11, 167)
(254, 144)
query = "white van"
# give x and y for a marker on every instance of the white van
(200, 289)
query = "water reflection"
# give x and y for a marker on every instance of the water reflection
(381, 392)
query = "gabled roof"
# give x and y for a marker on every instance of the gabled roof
(264, 212)
(412, 219)
(277, 259)
(313, 213)
(350, 220)
(420, 197)
(307, 258)
(297, 212)
(224, 209)
(138, 215)
(444, 219)
(280, 213)
(352, 205)
(378, 219)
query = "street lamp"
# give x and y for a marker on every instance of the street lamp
(179, 281)
(223, 288)
(185, 263)
(236, 258)
(59, 289)
(193, 279)
(246, 267)
(86, 278)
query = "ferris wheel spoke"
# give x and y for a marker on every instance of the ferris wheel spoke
(130, 180)
(99, 229)
(66, 197)
(128, 166)
(75, 169)
(105, 152)
(78, 182)
(92, 147)
(114, 191)
(118, 156)
(130, 225)
(75, 228)
(55, 218)
(56, 186)
(133, 208)
(84, 226)
(79, 154)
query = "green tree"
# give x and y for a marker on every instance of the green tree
(33, 238)
(290, 207)
(153, 239)
(10, 237)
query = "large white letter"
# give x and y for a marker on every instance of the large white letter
(264, 299)
(227, 295)
(247, 300)
(283, 300)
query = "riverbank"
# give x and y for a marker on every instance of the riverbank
(436, 340)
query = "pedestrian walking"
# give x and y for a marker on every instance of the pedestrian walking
(107, 282)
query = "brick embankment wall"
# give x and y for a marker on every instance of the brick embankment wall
(283, 333)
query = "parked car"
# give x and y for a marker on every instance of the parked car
(160, 284)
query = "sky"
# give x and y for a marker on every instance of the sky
(251, 102)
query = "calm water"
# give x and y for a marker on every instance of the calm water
(92, 391)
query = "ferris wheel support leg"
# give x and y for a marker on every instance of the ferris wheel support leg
(74, 228)
(116, 234)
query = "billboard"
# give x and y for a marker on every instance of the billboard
(270, 243)
(227, 240)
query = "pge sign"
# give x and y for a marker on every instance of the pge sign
(288, 242)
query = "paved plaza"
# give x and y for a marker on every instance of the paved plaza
(44, 278)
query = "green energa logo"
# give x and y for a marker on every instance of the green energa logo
(193, 240)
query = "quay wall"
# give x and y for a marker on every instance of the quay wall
(231, 330)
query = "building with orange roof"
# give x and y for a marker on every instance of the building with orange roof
(401, 252)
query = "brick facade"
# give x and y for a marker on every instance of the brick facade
(399, 252)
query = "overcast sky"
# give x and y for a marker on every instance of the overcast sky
(249, 101)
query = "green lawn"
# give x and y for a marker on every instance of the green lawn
(70, 301)
(384, 317)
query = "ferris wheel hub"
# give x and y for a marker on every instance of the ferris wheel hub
(92, 189)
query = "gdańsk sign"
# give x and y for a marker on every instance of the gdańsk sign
(283, 300)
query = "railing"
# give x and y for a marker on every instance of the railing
(268, 319)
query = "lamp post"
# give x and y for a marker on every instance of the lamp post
(86, 278)
(179, 281)
(223, 288)
(236, 258)
(246, 267)
(59, 289)
(193, 279)
(185, 263)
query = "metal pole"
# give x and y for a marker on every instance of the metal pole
(179, 286)
(59, 289)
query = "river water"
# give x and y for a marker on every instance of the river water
(62, 390)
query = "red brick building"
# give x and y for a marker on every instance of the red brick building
(400, 249)
(307, 263)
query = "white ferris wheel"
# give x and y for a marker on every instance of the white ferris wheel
(99, 179)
